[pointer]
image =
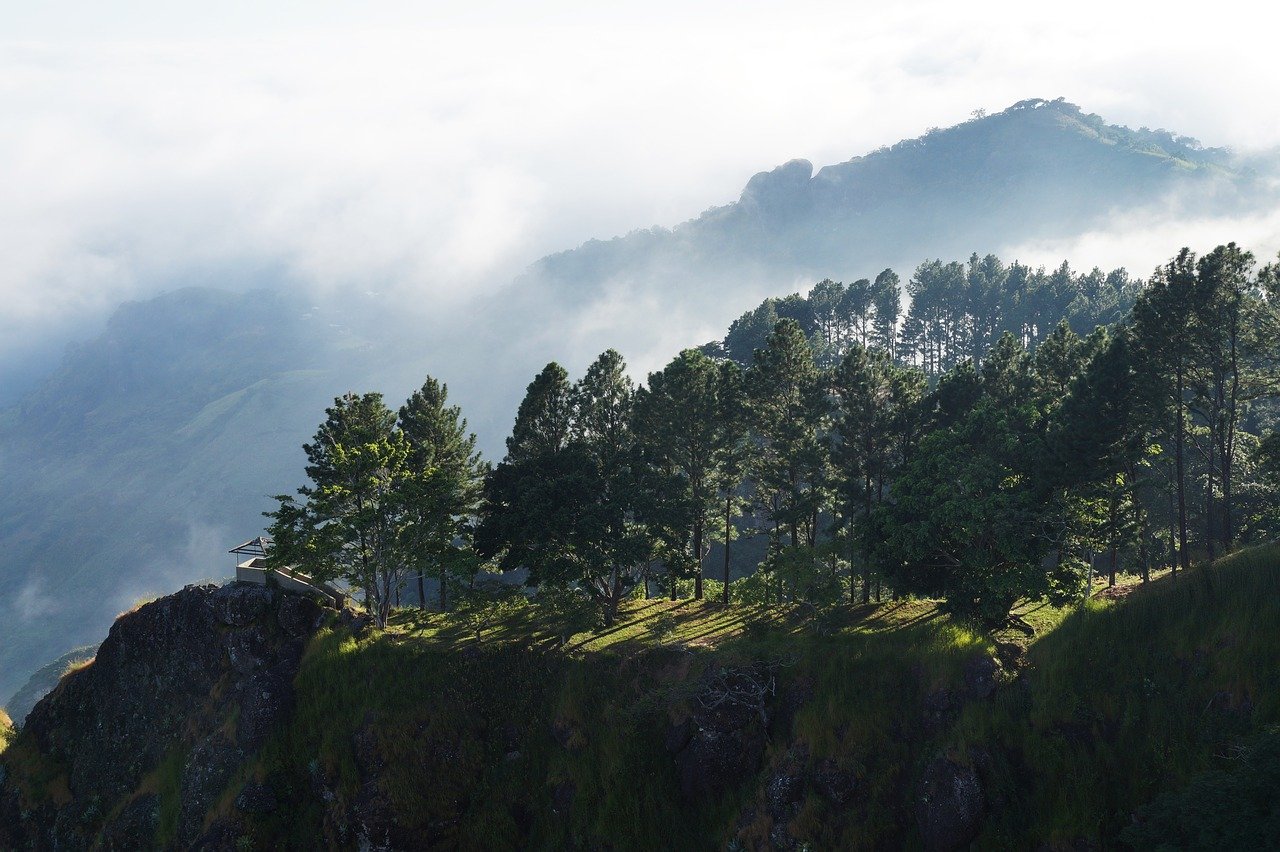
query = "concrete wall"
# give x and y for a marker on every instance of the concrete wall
(255, 571)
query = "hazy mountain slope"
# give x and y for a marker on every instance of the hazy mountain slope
(154, 446)
(1037, 169)
(159, 439)
(43, 681)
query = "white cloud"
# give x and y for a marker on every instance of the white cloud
(431, 152)
(32, 602)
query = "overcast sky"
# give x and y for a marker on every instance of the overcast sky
(433, 150)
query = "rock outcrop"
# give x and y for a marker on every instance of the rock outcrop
(950, 804)
(182, 692)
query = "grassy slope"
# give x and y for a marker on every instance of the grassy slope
(483, 743)
(1118, 701)
(1128, 701)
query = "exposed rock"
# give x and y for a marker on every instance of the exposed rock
(299, 615)
(1011, 654)
(783, 793)
(567, 735)
(222, 834)
(678, 736)
(730, 732)
(950, 804)
(940, 709)
(248, 648)
(135, 826)
(204, 776)
(238, 604)
(267, 700)
(171, 647)
(980, 676)
(165, 682)
(43, 681)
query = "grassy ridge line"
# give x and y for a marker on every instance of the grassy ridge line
(511, 731)
(507, 723)
(1121, 700)
(1127, 701)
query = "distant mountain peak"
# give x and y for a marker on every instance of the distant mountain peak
(1039, 169)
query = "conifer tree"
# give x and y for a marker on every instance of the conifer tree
(448, 484)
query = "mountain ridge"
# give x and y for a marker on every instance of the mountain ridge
(776, 196)
(161, 437)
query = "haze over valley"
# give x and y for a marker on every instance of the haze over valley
(912, 276)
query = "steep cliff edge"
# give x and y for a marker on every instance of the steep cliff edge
(240, 718)
(182, 691)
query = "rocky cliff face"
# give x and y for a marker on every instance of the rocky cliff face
(181, 693)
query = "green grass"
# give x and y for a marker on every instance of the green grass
(1129, 700)
(166, 781)
(475, 728)
(480, 728)
(479, 721)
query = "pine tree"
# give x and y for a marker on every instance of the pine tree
(449, 483)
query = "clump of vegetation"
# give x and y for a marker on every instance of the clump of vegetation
(978, 451)
(1084, 740)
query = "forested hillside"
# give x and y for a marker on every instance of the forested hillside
(1023, 598)
(909, 465)
(155, 445)
(1039, 168)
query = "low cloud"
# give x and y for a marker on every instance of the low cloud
(431, 157)
(33, 602)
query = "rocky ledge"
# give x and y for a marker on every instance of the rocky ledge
(190, 685)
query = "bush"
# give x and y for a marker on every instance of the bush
(568, 610)
(1237, 807)
(487, 605)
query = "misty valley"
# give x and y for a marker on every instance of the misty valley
(928, 546)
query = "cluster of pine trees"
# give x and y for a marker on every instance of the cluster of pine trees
(957, 311)
(1014, 432)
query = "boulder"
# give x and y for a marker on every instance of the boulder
(299, 615)
(238, 604)
(950, 804)
(980, 676)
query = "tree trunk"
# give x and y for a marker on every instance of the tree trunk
(1183, 554)
(728, 511)
(1210, 531)
(1173, 537)
(444, 591)
(697, 556)
(422, 592)
(853, 575)
(1113, 521)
